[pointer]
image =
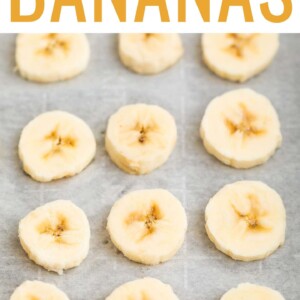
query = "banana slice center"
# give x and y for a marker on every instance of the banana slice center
(32, 298)
(253, 216)
(53, 43)
(246, 125)
(142, 137)
(144, 132)
(148, 35)
(54, 230)
(149, 219)
(238, 44)
(59, 142)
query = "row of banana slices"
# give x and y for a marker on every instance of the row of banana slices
(240, 128)
(54, 57)
(245, 220)
(145, 289)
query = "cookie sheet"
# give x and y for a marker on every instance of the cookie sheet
(198, 271)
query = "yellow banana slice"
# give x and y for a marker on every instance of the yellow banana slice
(147, 226)
(247, 291)
(149, 53)
(35, 290)
(241, 128)
(56, 235)
(144, 289)
(140, 138)
(238, 57)
(51, 57)
(56, 145)
(246, 220)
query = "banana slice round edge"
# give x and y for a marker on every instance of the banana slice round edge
(241, 128)
(55, 145)
(146, 288)
(140, 138)
(246, 220)
(149, 53)
(38, 290)
(248, 291)
(56, 235)
(238, 57)
(51, 57)
(148, 226)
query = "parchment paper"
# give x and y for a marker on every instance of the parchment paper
(199, 271)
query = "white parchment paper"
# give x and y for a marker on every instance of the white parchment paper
(199, 271)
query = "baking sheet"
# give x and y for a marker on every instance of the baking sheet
(198, 271)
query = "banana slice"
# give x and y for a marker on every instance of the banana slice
(51, 57)
(34, 290)
(147, 226)
(150, 53)
(140, 138)
(144, 289)
(56, 145)
(246, 220)
(238, 57)
(241, 129)
(56, 235)
(247, 291)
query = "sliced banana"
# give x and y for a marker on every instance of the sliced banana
(140, 138)
(238, 57)
(35, 290)
(246, 220)
(51, 57)
(241, 128)
(148, 226)
(149, 53)
(55, 145)
(143, 289)
(247, 291)
(56, 235)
